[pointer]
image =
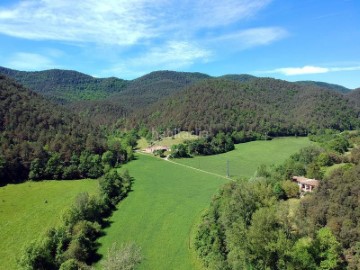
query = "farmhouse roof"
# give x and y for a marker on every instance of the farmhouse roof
(306, 181)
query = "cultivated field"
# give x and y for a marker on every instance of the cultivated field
(27, 210)
(246, 158)
(168, 199)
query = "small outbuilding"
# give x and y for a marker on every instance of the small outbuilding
(306, 184)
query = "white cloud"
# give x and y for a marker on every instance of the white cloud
(114, 22)
(120, 22)
(173, 55)
(300, 70)
(161, 34)
(292, 71)
(252, 37)
(214, 13)
(30, 61)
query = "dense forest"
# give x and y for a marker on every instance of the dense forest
(262, 223)
(277, 106)
(268, 106)
(64, 86)
(40, 140)
(334, 87)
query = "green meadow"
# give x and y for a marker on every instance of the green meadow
(161, 211)
(246, 158)
(168, 198)
(160, 214)
(27, 210)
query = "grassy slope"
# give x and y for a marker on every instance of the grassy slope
(160, 213)
(169, 141)
(244, 161)
(24, 215)
(168, 199)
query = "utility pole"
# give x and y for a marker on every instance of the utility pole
(227, 169)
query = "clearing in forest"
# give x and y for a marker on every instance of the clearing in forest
(166, 203)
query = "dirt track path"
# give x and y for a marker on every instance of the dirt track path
(187, 166)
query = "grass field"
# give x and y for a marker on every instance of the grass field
(169, 141)
(159, 215)
(245, 159)
(27, 210)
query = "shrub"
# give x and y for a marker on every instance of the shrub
(290, 188)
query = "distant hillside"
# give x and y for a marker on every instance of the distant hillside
(32, 127)
(238, 77)
(334, 87)
(99, 112)
(264, 105)
(156, 85)
(63, 86)
(105, 101)
(354, 97)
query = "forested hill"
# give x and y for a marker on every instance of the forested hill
(194, 100)
(33, 128)
(63, 86)
(66, 86)
(238, 77)
(334, 87)
(154, 86)
(264, 105)
(354, 97)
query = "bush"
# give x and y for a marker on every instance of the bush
(179, 151)
(290, 188)
(37, 256)
(70, 264)
(114, 187)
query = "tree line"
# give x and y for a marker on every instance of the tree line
(72, 245)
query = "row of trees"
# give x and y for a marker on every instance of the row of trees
(72, 245)
(87, 165)
(211, 145)
(214, 144)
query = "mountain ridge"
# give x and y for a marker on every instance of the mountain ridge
(105, 101)
(274, 107)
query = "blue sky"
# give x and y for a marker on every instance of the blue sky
(286, 39)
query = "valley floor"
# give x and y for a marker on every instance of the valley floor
(160, 214)
(168, 199)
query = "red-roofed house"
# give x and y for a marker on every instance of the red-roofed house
(306, 184)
